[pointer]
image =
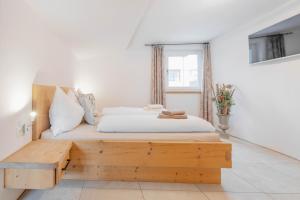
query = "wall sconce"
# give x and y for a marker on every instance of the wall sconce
(33, 115)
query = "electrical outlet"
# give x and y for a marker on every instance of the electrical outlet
(28, 128)
(23, 129)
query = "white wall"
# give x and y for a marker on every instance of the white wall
(117, 78)
(267, 98)
(189, 102)
(28, 52)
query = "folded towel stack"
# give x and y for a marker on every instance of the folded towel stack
(172, 115)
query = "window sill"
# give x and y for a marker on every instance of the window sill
(186, 91)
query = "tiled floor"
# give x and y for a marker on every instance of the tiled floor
(257, 174)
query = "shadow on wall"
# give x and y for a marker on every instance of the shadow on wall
(13, 133)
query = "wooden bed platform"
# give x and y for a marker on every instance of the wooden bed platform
(161, 161)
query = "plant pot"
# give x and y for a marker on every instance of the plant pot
(223, 122)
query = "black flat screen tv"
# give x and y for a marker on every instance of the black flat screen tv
(277, 41)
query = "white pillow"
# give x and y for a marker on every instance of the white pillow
(64, 113)
(73, 96)
(87, 101)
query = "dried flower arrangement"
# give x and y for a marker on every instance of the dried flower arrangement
(223, 98)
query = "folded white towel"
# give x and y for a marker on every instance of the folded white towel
(154, 106)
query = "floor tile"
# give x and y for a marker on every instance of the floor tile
(57, 193)
(168, 186)
(173, 195)
(267, 179)
(34, 195)
(285, 196)
(236, 196)
(65, 190)
(289, 169)
(112, 185)
(108, 194)
(251, 153)
(71, 184)
(230, 183)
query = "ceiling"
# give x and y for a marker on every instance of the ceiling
(288, 25)
(100, 25)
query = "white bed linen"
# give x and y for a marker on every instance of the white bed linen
(88, 132)
(122, 110)
(152, 124)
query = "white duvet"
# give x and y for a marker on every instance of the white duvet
(123, 110)
(149, 123)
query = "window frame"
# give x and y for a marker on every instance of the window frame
(183, 52)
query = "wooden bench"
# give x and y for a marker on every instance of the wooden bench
(38, 165)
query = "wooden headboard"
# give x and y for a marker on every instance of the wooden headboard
(42, 96)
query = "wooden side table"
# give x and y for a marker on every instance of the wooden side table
(38, 165)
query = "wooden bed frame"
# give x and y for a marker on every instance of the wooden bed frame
(160, 161)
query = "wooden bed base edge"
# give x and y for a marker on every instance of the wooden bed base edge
(193, 162)
(144, 174)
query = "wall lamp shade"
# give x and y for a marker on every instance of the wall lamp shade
(33, 115)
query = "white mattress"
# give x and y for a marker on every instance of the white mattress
(88, 132)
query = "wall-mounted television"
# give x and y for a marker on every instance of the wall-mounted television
(277, 41)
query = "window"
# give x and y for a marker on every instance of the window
(174, 75)
(183, 70)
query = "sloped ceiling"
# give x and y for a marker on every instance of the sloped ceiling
(103, 25)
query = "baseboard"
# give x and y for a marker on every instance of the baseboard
(264, 147)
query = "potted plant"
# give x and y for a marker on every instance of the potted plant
(223, 96)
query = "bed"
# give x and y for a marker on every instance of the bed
(188, 157)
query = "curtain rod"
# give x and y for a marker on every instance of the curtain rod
(271, 35)
(167, 44)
